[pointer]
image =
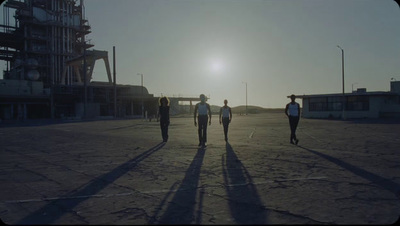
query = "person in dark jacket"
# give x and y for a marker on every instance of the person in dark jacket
(163, 115)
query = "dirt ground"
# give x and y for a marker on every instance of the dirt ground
(119, 172)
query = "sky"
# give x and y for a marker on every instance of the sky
(262, 49)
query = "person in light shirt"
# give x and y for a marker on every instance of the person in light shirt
(292, 110)
(202, 112)
(225, 117)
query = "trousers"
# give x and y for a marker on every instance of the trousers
(164, 129)
(225, 123)
(202, 128)
(293, 122)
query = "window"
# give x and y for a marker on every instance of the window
(317, 104)
(357, 103)
(325, 103)
(335, 103)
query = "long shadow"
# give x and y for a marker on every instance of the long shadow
(244, 202)
(181, 209)
(55, 209)
(376, 179)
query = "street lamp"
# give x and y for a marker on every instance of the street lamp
(343, 103)
(142, 94)
(246, 96)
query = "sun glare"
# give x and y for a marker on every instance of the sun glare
(217, 66)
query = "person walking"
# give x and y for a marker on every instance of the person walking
(292, 110)
(163, 115)
(202, 112)
(225, 117)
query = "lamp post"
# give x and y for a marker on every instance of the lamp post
(246, 96)
(343, 103)
(142, 94)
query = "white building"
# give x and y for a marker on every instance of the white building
(358, 104)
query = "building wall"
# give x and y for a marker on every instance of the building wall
(395, 86)
(389, 107)
(306, 113)
(21, 87)
(93, 110)
(379, 106)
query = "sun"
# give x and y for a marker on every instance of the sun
(217, 66)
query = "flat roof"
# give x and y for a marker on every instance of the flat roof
(377, 93)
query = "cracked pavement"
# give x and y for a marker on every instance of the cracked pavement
(119, 172)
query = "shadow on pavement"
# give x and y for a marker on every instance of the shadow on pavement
(244, 202)
(381, 181)
(55, 209)
(181, 209)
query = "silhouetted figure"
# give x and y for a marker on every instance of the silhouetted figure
(225, 117)
(202, 112)
(292, 110)
(163, 115)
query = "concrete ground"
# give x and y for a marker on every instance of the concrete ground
(119, 172)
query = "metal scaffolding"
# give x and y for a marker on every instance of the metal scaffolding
(44, 35)
(50, 66)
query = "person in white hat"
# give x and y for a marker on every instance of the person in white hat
(202, 113)
(292, 110)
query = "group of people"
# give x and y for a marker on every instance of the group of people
(202, 118)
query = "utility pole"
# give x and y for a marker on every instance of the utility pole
(115, 85)
(344, 98)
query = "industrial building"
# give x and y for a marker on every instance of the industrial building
(358, 104)
(49, 65)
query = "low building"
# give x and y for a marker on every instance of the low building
(23, 99)
(358, 104)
